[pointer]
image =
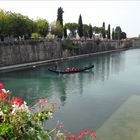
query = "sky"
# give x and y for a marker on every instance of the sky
(125, 14)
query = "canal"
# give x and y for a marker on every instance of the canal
(106, 98)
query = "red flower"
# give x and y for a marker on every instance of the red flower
(85, 131)
(80, 137)
(1, 85)
(71, 137)
(3, 95)
(93, 134)
(16, 100)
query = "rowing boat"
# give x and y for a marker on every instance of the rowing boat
(70, 70)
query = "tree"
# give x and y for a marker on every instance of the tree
(34, 27)
(123, 35)
(60, 15)
(17, 25)
(42, 27)
(113, 34)
(108, 32)
(118, 33)
(14, 24)
(85, 30)
(72, 27)
(139, 36)
(57, 29)
(3, 24)
(80, 26)
(97, 30)
(103, 30)
(90, 31)
(20, 26)
(65, 32)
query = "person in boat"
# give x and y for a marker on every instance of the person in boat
(71, 69)
(68, 69)
(56, 66)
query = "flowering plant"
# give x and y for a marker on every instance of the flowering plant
(18, 121)
(82, 135)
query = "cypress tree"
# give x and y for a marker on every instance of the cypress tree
(80, 26)
(108, 32)
(113, 34)
(118, 33)
(60, 15)
(123, 35)
(103, 30)
(60, 19)
(65, 32)
(90, 31)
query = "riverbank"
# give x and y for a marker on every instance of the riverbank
(32, 53)
(45, 62)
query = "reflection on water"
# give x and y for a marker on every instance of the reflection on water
(87, 99)
(40, 82)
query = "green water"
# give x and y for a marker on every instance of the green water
(85, 100)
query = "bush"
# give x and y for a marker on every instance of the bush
(50, 37)
(35, 36)
(67, 44)
(19, 122)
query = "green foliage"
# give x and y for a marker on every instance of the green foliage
(20, 25)
(72, 27)
(50, 37)
(60, 19)
(65, 32)
(36, 35)
(42, 27)
(67, 44)
(103, 30)
(117, 33)
(108, 32)
(80, 26)
(3, 23)
(85, 30)
(123, 35)
(57, 29)
(97, 29)
(7, 131)
(113, 34)
(15, 24)
(90, 31)
(60, 15)
(18, 121)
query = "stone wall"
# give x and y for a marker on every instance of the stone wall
(136, 43)
(28, 51)
(90, 46)
(33, 51)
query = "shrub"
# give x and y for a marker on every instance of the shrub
(35, 36)
(19, 122)
(67, 44)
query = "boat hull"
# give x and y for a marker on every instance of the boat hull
(72, 71)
